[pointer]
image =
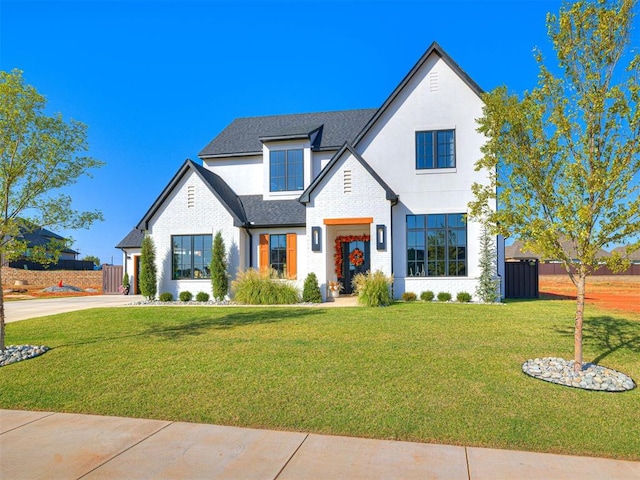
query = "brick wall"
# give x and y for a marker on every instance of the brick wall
(44, 278)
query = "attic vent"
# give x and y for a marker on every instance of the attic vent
(347, 181)
(434, 83)
(191, 196)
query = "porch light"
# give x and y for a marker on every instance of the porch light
(316, 239)
(381, 237)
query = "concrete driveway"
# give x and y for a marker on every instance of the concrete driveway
(24, 309)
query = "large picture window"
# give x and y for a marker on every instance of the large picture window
(191, 256)
(286, 169)
(437, 245)
(435, 149)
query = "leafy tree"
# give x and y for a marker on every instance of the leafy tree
(39, 156)
(92, 258)
(566, 155)
(219, 277)
(311, 290)
(147, 276)
(488, 289)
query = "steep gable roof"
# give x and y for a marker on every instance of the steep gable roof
(434, 49)
(326, 130)
(217, 186)
(306, 195)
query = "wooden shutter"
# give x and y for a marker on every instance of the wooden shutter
(292, 259)
(263, 252)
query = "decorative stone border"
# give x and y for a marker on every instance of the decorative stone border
(591, 377)
(16, 353)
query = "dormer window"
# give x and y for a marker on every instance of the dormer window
(286, 170)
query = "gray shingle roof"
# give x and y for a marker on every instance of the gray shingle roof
(132, 240)
(261, 213)
(333, 129)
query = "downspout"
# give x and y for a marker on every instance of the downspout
(247, 227)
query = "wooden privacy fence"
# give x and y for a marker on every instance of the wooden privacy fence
(558, 269)
(111, 279)
(521, 279)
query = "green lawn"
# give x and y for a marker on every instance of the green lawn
(419, 372)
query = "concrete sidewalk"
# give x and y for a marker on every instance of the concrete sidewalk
(25, 309)
(68, 446)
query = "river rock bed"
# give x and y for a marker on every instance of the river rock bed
(591, 377)
(17, 353)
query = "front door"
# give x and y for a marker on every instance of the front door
(355, 258)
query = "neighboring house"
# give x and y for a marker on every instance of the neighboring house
(633, 257)
(515, 252)
(37, 237)
(335, 193)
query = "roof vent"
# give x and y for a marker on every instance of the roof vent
(191, 196)
(434, 83)
(347, 181)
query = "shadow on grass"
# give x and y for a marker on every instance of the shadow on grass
(174, 329)
(232, 320)
(608, 334)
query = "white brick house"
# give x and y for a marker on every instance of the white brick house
(334, 193)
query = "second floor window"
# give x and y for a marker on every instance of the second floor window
(286, 170)
(435, 149)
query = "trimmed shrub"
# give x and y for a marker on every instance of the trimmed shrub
(148, 272)
(373, 289)
(444, 296)
(202, 297)
(166, 297)
(253, 287)
(463, 297)
(427, 296)
(185, 296)
(409, 297)
(218, 266)
(311, 291)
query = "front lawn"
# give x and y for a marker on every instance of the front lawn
(419, 372)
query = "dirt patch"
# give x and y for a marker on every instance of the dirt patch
(620, 293)
(28, 292)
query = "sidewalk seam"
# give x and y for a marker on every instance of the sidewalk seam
(291, 457)
(125, 450)
(466, 457)
(29, 423)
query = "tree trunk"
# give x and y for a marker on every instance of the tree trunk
(577, 338)
(1, 313)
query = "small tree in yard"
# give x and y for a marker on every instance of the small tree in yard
(147, 277)
(39, 155)
(92, 258)
(566, 156)
(219, 277)
(488, 289)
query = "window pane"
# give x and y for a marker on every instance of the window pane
(278, 252)
(277, 169)
(435, 221)
(456, 220)
(446, 149)
(424, 150)
(294, 170)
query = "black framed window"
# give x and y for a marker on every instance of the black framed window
(437, 245)
(435, 149)
(191, 256)
(286, 170)
(278, 253)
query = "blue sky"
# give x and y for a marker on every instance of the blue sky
(156, 81)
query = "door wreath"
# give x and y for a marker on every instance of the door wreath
(337, 256)
(356, 257)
